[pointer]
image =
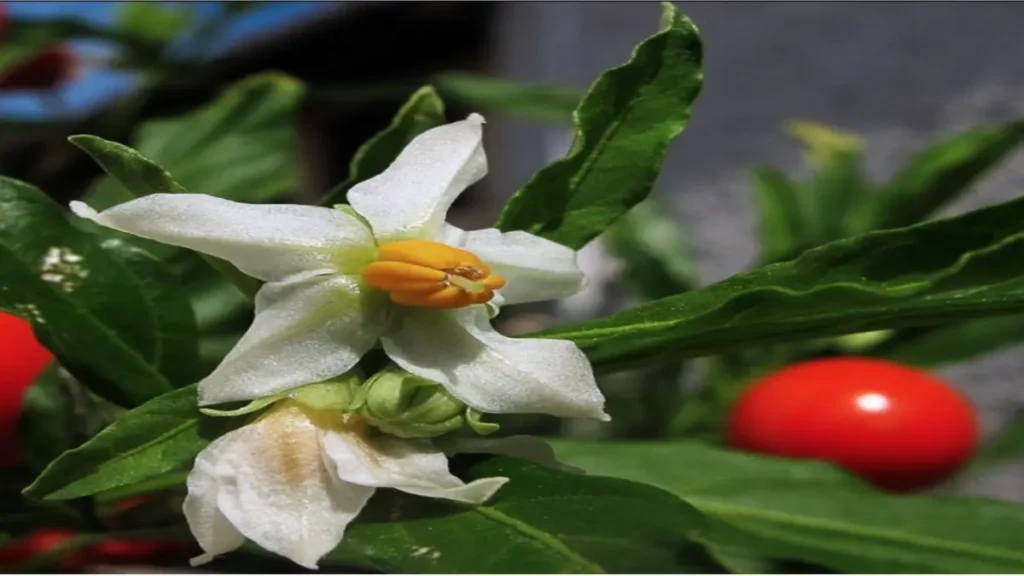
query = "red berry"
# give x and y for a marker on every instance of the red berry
(140, 551)
(44, 71)
(22, 550)
(22, 359)
(897, 427)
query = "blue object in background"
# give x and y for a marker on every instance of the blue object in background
(97, 85)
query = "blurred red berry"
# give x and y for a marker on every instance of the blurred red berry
(897, 427)
(141, 551)
(45, 71)
(15, 554)
(22, 359)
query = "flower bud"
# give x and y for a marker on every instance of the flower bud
(340, 393)
(408, 406)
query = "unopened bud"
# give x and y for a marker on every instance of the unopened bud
(408, 406)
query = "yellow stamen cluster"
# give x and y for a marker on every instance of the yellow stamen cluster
(431, 275)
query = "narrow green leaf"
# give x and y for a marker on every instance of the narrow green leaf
(624, 125)
(421, 112)
(99, 316)
(942, 172)
(783, 216)
(949, 344)
(45, 425)
(654, 252)
(813, 516)
(541, 102)
(239, 147)
(542, 521)
(938, 272)
(161, 436)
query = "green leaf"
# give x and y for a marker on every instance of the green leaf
(542, 521)
(153, 21)
(163, 435)
(783, 224)
(812, 515)
(238, 147)
(45, 426)
(654, 252)
(140, 176)
(102, 317)
(624, 125)
(1007, 446)
(945, 345)
(944, 171)
(541, 102)
(938, 272)
(421, 112)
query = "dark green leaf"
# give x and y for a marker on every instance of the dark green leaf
(944, 171)
(623, 128)
(946, 271)
(163, 435)
(653, 251)
(812, 514)
(98, 315)
(542, 102)
(944, 345)
(542, 521)
(45, 426)
(424, 110)
(239, 147)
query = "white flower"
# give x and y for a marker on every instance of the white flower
(337, 283)
(295, 478)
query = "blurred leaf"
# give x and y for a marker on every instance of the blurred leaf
(624, 125)
(838, 194)
(424, 110)
(1007, 446)
(824, 145)
(163, 435)
(155, 21)
(653, 251)
(541, 102)
(239, 147)
(938, 272)
(944, 345)
(140, 176)
(541, 521)
(783, 215)
(104, 318)
(942, 172)
(813, 514)
(45, 426)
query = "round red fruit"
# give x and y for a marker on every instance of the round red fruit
(22, 359)
(897, 427)
(45, 71)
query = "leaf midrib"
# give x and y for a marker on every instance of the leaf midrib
(546, 539)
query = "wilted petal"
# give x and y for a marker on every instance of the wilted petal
(306, 329)
(274, 486)
(491, 372)
(536, 269)
(266, 241)
(410, 199)
(413, 466)
(529, 448)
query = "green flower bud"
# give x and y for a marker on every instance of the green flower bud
(408, 406)
(338, 394)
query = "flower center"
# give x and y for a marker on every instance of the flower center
(431, 275)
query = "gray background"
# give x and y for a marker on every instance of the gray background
(898, 74)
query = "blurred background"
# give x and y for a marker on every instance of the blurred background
(898, 75)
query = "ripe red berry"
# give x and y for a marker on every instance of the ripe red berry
(44, 71)
(15, 554)
(22, 359)
(897, 427)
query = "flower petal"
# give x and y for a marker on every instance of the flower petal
(413, 466)
(530, 448)
(491, 372)
(536, 268)
(306, 330)
(410, 199)
(275, 487)
(212, 530)
(266, 241)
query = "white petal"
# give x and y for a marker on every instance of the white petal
(530, 448)
(275, 487)
(410, 199)
(306, 330)
(212, 530)
(491, 372)
(266, 241)
(536, 268)
(413, 466)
